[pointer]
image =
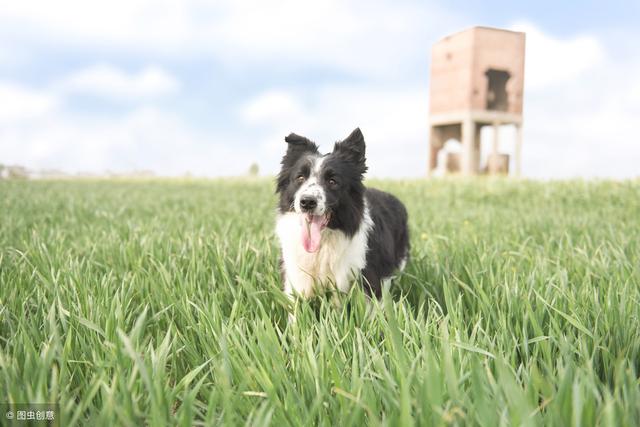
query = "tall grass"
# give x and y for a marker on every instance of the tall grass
(159, 302)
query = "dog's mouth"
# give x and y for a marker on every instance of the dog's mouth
(311, 230)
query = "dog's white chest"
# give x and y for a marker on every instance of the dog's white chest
(335, 264)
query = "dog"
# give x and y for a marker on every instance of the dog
(331, 228)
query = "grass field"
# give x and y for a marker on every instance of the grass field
(159, 302)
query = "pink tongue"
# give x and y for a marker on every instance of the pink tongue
(311, 227)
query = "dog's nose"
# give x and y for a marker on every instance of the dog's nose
(308, 203)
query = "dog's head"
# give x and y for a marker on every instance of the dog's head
(325, 190)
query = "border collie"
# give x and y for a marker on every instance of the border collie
(333, 230)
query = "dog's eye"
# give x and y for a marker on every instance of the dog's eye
(300, 178)
(332, 182)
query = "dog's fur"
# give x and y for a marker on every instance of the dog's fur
(362, 230)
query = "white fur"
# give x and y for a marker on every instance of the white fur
(334, 265)
(403, 264)
(386, 281)
(312, 187)
(317, 166)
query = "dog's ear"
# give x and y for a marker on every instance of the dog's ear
(297, 146)
(300, 144)
(353, 149)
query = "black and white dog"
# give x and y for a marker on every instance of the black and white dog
(331, 228)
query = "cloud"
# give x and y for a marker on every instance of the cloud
(394, 122)
(580, 108)
(144, 139)
(127, 24)
(11, 56)
(107, 81)
(271, 105)
(553, 61)
(357, 37)
(20, 103)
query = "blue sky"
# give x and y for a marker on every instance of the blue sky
(209, 88)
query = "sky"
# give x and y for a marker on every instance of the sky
(208, 88)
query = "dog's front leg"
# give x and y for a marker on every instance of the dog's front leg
(288, 291)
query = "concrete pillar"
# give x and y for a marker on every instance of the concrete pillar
(493, 158)
(467, 155)
(477, 139)
(432, 152)
(518, 151)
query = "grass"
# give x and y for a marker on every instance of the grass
(159, 302)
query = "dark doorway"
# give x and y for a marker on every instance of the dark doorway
(497, 98)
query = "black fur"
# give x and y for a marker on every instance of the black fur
(388, 242)
(341, 177)
(296, 160)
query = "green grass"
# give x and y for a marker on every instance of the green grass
(159, 302)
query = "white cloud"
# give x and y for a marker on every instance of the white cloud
(552, 61)
(21, 103)
(360, 37)
(144, 139)
(580, 109)
(129, 24)
(272, 105)
(107, 81)
(11, 56)
(392, 120)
